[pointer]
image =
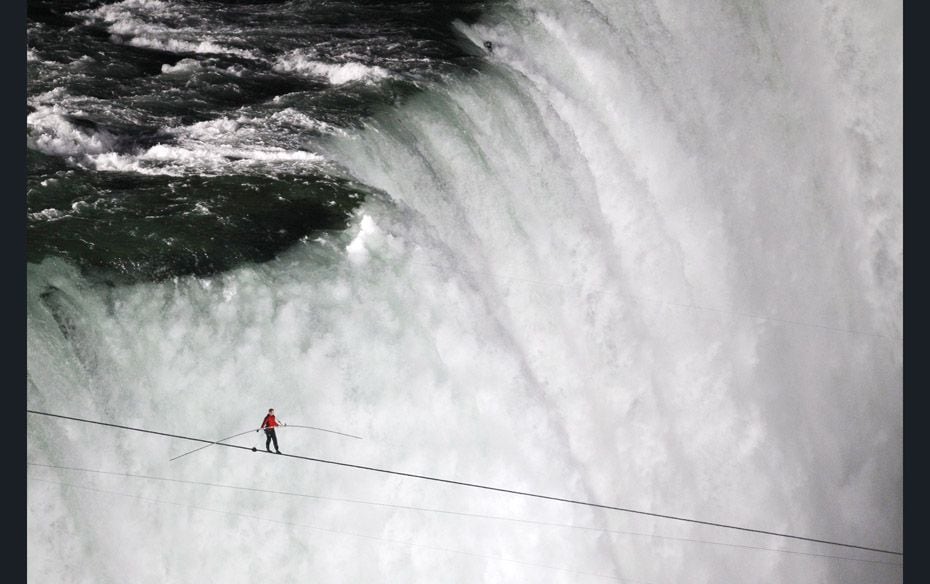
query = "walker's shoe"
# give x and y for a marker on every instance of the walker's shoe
(269, 450)
(277, 452)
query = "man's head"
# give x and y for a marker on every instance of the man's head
(270, 410)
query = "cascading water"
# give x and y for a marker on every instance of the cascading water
(646, 255)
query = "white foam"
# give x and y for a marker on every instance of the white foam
(225, 129)
(202, 209)
(336, 73)
(240, 143)
(182, 66)
(50, 99)
(171, 159)
(368, 234)
(294, 117)
(183, 46)
(145, 23)
(51, 133)
(47, 215)
(217, 146)
(119, 10)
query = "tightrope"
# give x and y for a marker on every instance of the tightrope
(483, 487)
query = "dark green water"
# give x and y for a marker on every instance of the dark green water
(170, 138)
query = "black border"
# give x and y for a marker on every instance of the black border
(913, 390)
(13, 155)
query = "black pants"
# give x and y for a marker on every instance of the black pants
(269, 432)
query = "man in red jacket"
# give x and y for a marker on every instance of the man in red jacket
(269, 424)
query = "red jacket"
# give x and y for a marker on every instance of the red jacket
(269, 422)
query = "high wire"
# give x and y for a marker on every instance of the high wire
(256, 430)
(480, 486)
(460, 513)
